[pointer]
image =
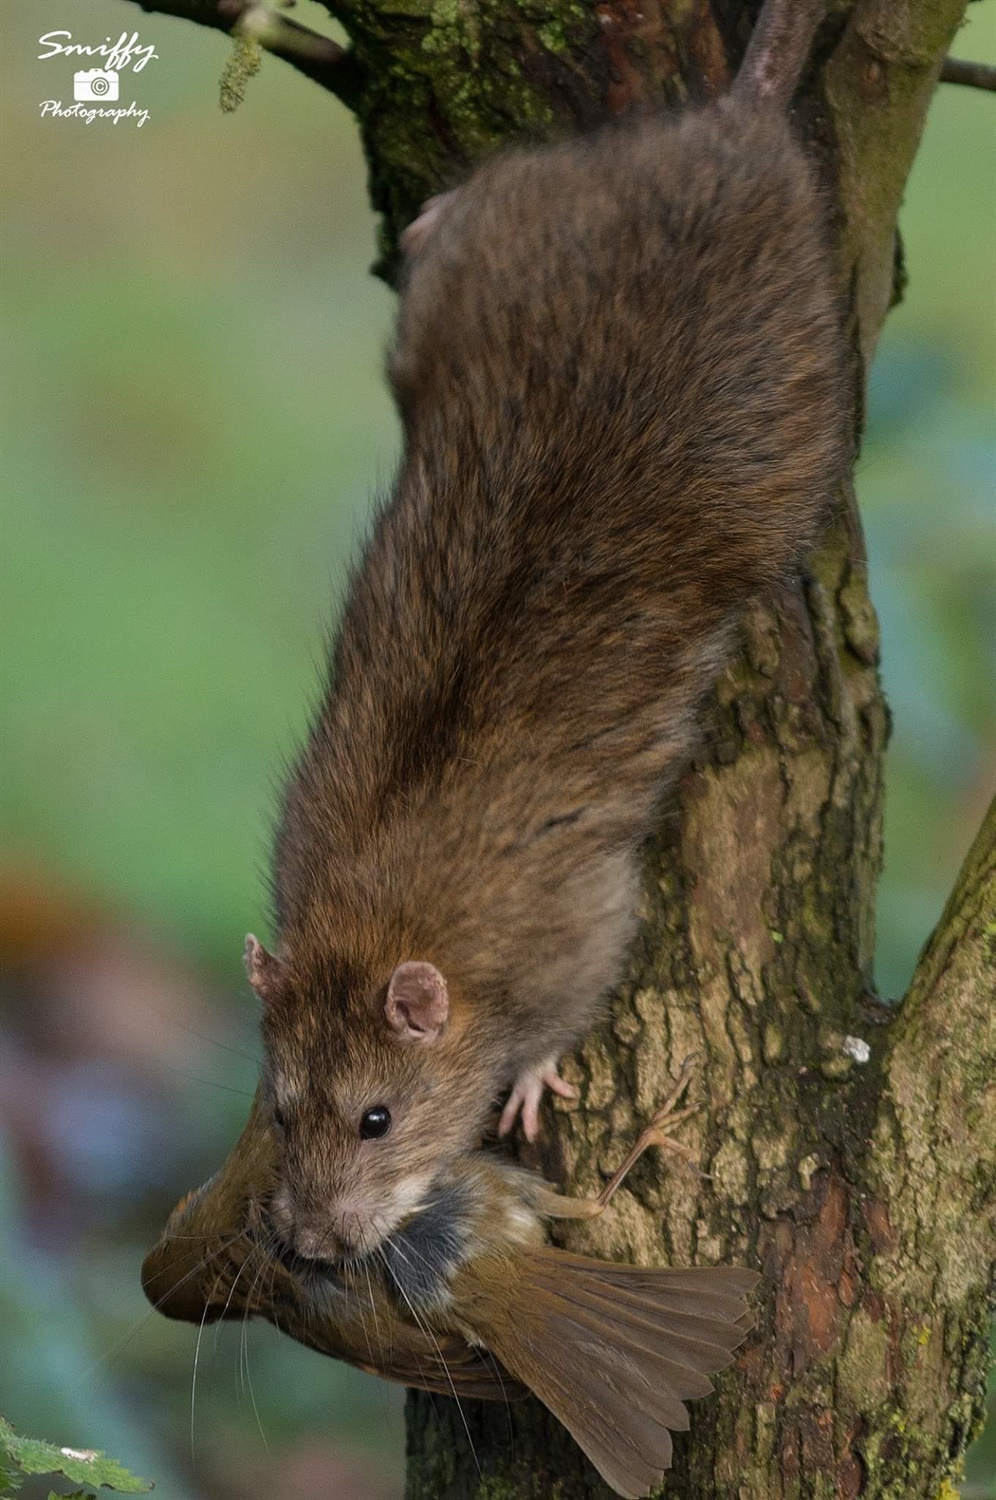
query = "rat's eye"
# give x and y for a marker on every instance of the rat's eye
(375, 1123)
(278, 1117)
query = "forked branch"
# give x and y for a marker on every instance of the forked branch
(939, 1104)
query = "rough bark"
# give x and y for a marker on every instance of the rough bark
(865, 1190)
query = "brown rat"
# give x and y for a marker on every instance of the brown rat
(622, 376)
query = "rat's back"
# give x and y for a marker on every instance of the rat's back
(620, 365)
(633, 329)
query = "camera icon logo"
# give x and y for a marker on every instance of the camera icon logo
(95, 83)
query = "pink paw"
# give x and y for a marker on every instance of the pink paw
(527, 1095)
(419, 230)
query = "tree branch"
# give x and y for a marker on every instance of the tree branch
(318, 57)
(929, 1208)
(879, 84)
(941, 1077)
(974, 75)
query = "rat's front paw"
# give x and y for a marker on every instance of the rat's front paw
(420, 230)
(527, 1095)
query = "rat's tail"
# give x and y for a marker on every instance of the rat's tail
(614, 1351)
(777, 52)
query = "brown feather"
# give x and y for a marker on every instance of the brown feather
(613, 1351)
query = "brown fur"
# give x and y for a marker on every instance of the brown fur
(621, 372)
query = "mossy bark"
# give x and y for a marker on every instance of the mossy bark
(850, 1148)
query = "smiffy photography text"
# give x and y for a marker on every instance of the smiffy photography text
(96, 90)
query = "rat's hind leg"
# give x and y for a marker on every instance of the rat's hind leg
(527, 1095)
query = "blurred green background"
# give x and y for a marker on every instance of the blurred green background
(195, 422)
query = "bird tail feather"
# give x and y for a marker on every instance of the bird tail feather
(614, 1351)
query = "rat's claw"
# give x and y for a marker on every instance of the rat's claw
(527, 1095)
(516, 1101)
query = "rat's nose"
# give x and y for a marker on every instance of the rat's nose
(337, 1235)
(315, 1241)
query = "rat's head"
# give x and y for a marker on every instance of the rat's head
(367, 1086)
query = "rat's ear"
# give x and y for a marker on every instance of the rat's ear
(417, 1004)
(265, 972)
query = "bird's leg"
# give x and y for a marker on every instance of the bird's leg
(658, 1133)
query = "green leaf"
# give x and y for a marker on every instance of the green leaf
(82, 1465)
(10, 1479)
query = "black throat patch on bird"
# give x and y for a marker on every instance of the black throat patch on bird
(423, 1254)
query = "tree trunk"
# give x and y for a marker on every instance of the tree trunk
(850, 1148)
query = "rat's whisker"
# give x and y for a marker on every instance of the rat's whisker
(196, 1270)
(247, 1261)
(259, 1253)
(136, 1327)
(373, 1309)
(427, 1330)
(266, 1261)
(193, 1375)
(210, 1083)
